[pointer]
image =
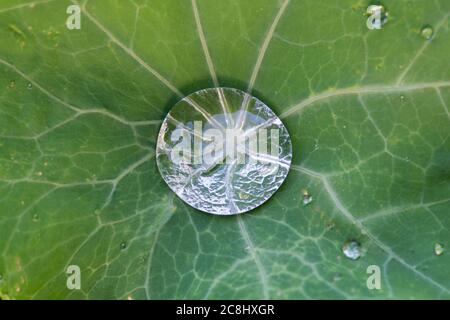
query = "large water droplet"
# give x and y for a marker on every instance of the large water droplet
(223, 151)
(352, 249)
(377, 16)
(427, 32)
(438, 249)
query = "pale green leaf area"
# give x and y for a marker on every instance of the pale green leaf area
(368, 112)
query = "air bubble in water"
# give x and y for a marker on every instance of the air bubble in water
(222, 151)
(352, 249)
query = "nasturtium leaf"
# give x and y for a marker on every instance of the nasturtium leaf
(368, 112)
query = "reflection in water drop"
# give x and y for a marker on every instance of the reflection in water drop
(427, 32)
(352, 250)
(243, 196)
(35, 217)
(29, 85)
(438, 249)
(223, 151)
(377, 17)
(123, 245)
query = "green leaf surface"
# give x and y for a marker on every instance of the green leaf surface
(368, 112)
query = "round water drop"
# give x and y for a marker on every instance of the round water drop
(29, 85)
(377, 17)
(427, 32)
(12, 84)
(222, 151)
(352, 250)
(36, 217)
(307, 198)
(123, 245)
(438, 249)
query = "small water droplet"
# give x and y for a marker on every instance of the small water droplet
(29, 85)
(39, 173)
(12, 84)
(307, 198)
(427, 32)
(35, 217)
(438, 249)
(123, 245)
(402, 97)
(378, 16)
(352, 249)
